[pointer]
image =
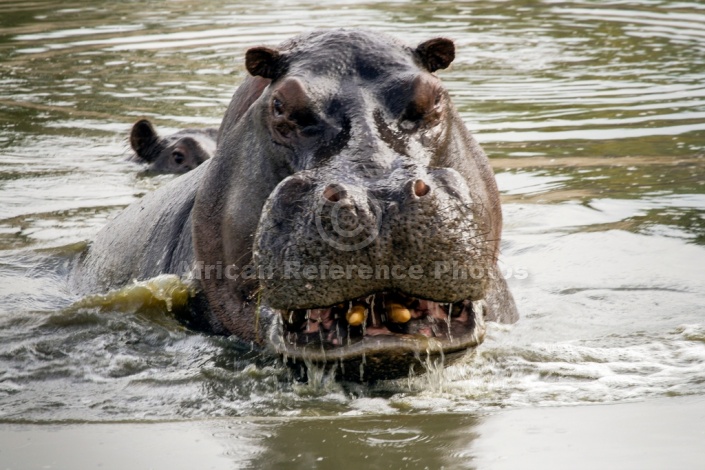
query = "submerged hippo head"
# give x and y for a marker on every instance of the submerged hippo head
(357, 217)
(176, 153)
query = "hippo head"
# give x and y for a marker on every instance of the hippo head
(359, 218)
(176, 153)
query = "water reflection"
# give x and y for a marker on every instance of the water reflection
(438, 441)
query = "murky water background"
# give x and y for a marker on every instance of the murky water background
(593, 114)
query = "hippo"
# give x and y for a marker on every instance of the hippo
(347, 220)
(175, 153)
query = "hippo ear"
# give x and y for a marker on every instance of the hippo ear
(142, 138)
(264, 62)
(436, 53)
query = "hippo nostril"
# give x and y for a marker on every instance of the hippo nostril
(420, 188)
(334, 193)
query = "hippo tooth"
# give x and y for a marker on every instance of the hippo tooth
(356, 315)
(398, 313)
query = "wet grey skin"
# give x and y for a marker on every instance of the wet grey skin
(177, 153)
(340, 153)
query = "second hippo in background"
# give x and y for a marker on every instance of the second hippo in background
(175, 153)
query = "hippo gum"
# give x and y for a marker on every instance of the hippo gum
(347, 219)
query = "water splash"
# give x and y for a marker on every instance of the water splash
(166, 291)
(321, 379)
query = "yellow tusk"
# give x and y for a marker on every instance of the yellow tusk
(398, 313)
(356, 315)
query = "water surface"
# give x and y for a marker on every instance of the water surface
(593, 114)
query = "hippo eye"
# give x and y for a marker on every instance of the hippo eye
(178, 157)
(425, 106)
(305, 118)
(292, 115)
(423, 112)
(411, 118)
(278, 106)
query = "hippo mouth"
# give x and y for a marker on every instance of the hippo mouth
(382, 335)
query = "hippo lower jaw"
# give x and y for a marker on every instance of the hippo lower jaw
(378, 336)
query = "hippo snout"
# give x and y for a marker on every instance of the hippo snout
(420, 222)
(329, 242)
